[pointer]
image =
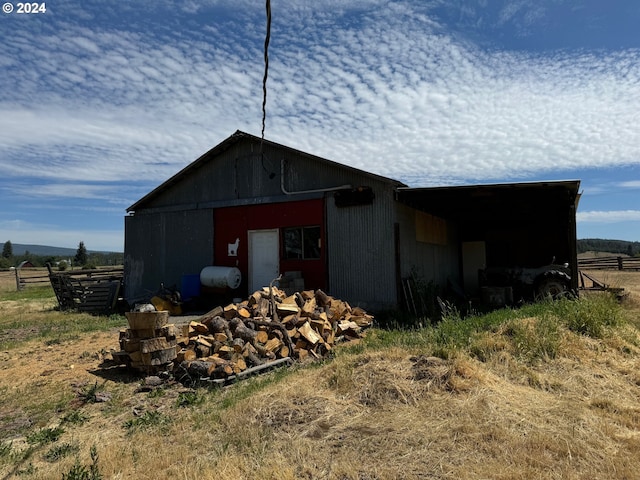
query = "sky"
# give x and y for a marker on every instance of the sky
(102, 101)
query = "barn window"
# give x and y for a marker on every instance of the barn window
(301, 243)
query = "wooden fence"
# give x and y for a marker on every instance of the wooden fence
(29, 276)
(609, 263)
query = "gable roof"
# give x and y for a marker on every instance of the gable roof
(235, 138)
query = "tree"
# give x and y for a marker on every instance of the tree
(81, 255)
(7, 250)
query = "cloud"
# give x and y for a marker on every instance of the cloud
(606, 217)
(390, 87)
(90, 96)
(631, 184)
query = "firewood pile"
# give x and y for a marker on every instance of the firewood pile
(150, 342)
(267, 329)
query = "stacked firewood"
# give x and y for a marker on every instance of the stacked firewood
(149, 344)
(267, 327)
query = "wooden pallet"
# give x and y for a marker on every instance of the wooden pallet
(91, 291)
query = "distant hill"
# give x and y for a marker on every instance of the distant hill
(609, 246)
(44, 250)
(583, 245)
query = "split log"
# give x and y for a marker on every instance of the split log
(230, 311)
(283, 352)
(203, 351)
(220, 371)
(238, 363)
(220, 337)
(225, 351)
(238, 344)
(197, 368)
(159, 357)
(309, 333)
(287, 308)
(187, 354)
(218, 324)
(216, 312)
(308, 294)
(300, 299)
(254, 299)
(251, 354)
(273, 344)
(198, 328)
(130, 344)
(322, 299)
(155, 344)
(245, 333)
(309, 307)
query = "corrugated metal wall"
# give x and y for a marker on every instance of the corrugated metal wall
(360, 250)
(240, 173)
(164, 246)
(432, 262)
(173, 234)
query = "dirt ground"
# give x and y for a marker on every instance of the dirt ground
(466, 423)
(82, 360)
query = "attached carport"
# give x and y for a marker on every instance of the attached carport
(506, 225)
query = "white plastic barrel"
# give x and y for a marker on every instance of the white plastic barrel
(220, 277)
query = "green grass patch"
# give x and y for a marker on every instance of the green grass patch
(45, 435)
(40, 292)
(5, 449)
(84, 472)
(537, 338)
(149, 419)
(190, 399)
(89, 393)
(53, 327)
(58, 452)
(76, 417)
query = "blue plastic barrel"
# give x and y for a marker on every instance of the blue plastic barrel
(190, 286)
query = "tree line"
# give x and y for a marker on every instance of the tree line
(610, 246)
(82, 259)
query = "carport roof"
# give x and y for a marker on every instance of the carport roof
(469, 201)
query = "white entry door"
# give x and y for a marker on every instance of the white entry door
(264, 258)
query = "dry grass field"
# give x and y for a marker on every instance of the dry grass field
(529, 398)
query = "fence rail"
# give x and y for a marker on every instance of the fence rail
(23, 277)
(609, 263)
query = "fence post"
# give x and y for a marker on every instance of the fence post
(620, 263)
(18, 283)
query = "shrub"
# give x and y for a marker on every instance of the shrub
(45, 435)
(60, 451)
(82, 472)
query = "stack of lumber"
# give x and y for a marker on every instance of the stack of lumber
(267, 327)
(150, 342)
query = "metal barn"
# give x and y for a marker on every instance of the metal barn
(268, 209)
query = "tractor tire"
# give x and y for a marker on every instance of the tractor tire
(552, 285)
